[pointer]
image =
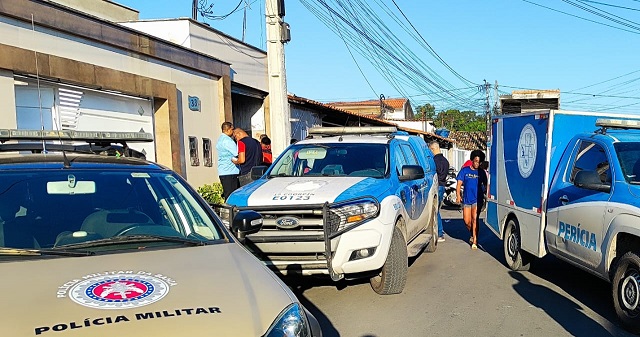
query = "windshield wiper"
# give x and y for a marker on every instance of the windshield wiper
(279, 175)
(136, 238)
(40, 252)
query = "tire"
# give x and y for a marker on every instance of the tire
(433, 243)
(516, 258)
(625, 289)
(393, 276)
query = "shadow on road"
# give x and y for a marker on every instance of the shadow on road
(589, 290)
(300, 284)
(567, 313)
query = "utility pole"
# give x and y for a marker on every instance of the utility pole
(497, 105)
(279, 115)
(487, 108)
(194, 10)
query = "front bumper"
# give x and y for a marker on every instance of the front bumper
(320, 245)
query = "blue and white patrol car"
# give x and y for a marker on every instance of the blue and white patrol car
(350, 202)
(559, 187)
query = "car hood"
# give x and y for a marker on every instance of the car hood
(306, 190)
(197, 291)
(634, 191)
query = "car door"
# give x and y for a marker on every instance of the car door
(417, 193)
(577, 225)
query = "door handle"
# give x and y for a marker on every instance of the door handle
(564, 199)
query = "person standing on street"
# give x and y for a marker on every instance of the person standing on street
(442, 169)
(483, 187)
(249, 155)
(468, 178)
(267, 156)
(227, 170)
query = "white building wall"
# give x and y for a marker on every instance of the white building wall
(7, 100)
(248, 64)
(205, 123)
(175, 31)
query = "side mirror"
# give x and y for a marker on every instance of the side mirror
(257, 172)
(412, 172)
(246, 222)
(591, 180)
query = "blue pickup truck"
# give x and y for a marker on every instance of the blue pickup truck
(351, 202)
(568, 184)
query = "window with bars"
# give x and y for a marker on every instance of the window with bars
(206, 152)
(193, 151)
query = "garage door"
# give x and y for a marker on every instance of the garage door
(58, 107)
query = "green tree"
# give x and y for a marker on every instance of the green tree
(425, 111)
(457, 120)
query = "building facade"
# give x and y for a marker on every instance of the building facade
(61, 68)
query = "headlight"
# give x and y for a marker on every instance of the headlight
(355, 212)
(292, 322)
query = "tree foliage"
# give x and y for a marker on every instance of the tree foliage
(452, 119)
(426, 111)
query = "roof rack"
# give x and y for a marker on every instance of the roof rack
(100, 149)
(97, 142)
(71, 135)
(353, 130)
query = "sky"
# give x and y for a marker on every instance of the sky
(442, 52)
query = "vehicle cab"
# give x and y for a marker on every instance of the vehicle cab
(95, 244)
(349, 202)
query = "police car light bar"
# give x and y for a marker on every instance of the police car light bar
(352, 130)
(618, 123)
(87, 136)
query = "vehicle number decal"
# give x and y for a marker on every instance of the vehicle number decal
(284, 197)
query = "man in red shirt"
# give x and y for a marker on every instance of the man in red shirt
(249, 155)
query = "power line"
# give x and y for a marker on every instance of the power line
(579, 17)
(427, 43)
(355, 61)
(604, 4)
(606, 15)
(207, 11)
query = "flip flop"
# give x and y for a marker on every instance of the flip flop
(474, 246)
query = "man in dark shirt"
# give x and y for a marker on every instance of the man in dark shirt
(249, 155)
(442, 169)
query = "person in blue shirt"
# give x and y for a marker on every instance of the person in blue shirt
(442, 169)
(468, 178)
(227, 170)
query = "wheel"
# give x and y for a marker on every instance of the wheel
(393, 276)
(516, 258)
(626, 291)
(433, 243)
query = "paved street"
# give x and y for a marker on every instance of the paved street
(459, 292)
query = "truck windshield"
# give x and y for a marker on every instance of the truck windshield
(356, 160)
(57, 209)
(629, 157)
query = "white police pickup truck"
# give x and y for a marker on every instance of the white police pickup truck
(351, 202)
(559, 187)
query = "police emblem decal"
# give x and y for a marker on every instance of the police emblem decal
(527, 150)
(119, 291)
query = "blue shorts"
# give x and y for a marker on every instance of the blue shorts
(470, 205)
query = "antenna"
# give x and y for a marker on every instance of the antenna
(33, 29)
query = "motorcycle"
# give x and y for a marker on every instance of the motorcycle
(449, 197)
